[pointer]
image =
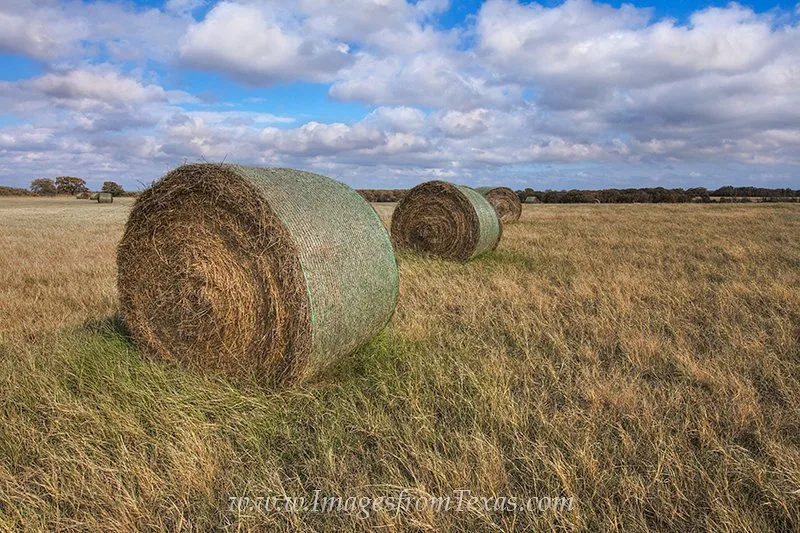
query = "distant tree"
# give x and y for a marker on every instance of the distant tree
(660, 195)
(43, 186)
(13, 191)
(70, 185)
(551, 197)
(609, 196)
(114, 188)
(698, 192)
(638, 196)
(680, 196)
(576, 197)
(727, 190)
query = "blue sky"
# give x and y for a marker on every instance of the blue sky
(389, 93)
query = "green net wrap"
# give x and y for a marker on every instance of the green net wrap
(345, 253)
(490, 230)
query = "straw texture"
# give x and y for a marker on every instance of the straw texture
(445, 220)
(265, 274)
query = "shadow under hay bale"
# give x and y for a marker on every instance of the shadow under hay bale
(263, 275)
(505, 201)
(445, 220)
(105, 198)
(109, 326)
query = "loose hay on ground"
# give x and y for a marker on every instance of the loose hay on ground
(445, 220)
(258, 274)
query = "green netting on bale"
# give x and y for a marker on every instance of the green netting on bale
(490, 230)
(345, 253)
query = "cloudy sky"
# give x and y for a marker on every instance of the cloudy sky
(389, 93)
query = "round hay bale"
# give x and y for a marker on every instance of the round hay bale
(445, 220)
(105, 198)
(262, 275)
(505, 201)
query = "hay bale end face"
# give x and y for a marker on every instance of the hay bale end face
(505, 201)
(262, 275)
(105, 198)
(445, 220)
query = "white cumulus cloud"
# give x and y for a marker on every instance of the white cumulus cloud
(250, 43)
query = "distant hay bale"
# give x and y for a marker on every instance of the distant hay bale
(105, 198)
(258, 274)
(94, 196)
(445, 220)
(83, 196)
(505, 201)
(531, 200)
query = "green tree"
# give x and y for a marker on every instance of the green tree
(727, 190)
(70, 185)
(43, 186)
(114, 188)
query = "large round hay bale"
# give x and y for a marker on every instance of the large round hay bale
(105, 198)
(259, 274)
(445, 220)
(505, 201)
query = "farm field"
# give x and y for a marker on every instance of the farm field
(643, 360)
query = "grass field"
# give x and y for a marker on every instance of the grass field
(641, 359)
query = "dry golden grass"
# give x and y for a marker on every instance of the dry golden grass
(643, 359)
(56, 263)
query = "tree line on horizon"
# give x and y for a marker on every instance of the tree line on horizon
(650, 195)
(64, 185)
(655, 195)
(70, 185)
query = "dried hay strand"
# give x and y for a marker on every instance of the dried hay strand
(505, 201)
(105, 198)
(445, 220)
(261, 275)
